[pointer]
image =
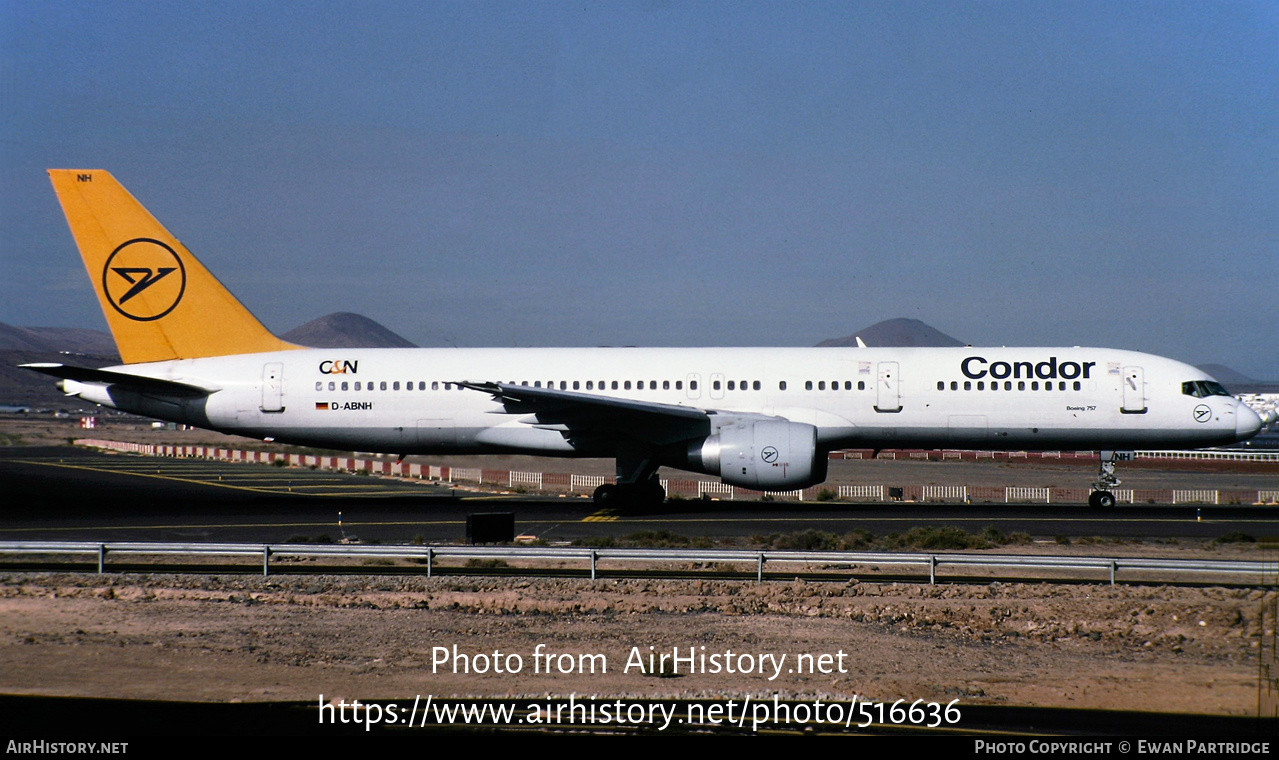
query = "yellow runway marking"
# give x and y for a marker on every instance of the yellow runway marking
(605, 515)
(157, 475)
(387, 489)
(331, 524)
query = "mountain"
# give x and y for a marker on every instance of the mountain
(29, 345)
(72, 340)
(345, 330)
(94, 348)
(900, 332)
(1226, 375)
(1237, 382)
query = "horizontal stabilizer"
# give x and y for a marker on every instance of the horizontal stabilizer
(149, 385)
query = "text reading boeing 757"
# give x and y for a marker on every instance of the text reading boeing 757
(762, 418)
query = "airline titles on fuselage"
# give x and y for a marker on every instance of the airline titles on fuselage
(975, 367)
(339, 367)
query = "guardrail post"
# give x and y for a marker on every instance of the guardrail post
(430, 556)
(932, 569)
(266, 561)
(759, 568)
(102, 558)
(593, 556)
(1114, 568)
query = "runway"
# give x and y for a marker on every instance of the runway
(63, 493)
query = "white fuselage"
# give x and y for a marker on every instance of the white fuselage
(406, 401)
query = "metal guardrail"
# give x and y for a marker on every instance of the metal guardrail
(934, 562)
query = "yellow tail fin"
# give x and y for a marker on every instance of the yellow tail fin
(159, 301)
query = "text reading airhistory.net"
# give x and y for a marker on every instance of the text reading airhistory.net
(640, 661)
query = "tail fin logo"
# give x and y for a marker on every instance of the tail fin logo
(144, 279)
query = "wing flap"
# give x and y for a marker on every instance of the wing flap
(577, 413)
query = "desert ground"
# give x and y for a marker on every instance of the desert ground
(241, 638)
(247, 638)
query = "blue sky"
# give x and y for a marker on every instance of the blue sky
(672, 173)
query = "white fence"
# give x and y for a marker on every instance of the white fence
(1235, 456)
(871, 493)
(465, 473)
(1016, 493)
(1194, 497)
(714, 488)
(530, 479)
(931, 493)
(586, 482)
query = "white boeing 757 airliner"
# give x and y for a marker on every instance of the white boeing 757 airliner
(762, 418)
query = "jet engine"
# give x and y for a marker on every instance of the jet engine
(767, 455)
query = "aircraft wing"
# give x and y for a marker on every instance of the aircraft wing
(138, 383)
(577, 413)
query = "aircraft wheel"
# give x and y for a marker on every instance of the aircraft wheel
(653, 494)
(1101, 500)
(607, 495)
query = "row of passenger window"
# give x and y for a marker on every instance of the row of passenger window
(834, 385)
(624, 385)
(384, 385)
(666, 385)
(590, 385)
(1008, 385)
(563, 385)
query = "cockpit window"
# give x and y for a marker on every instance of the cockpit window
(1203, 389)
(1215, 389)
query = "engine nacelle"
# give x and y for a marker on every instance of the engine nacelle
(768, 455)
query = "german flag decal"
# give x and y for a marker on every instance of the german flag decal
(322, 405)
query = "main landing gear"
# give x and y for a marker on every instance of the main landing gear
(1103, 496)
(637, 484)
(647, 494)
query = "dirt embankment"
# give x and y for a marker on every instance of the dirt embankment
(243, 638)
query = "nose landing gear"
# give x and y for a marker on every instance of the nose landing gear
(1101, 500)
(1103, 496)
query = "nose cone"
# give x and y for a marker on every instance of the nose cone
(1247, 423)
